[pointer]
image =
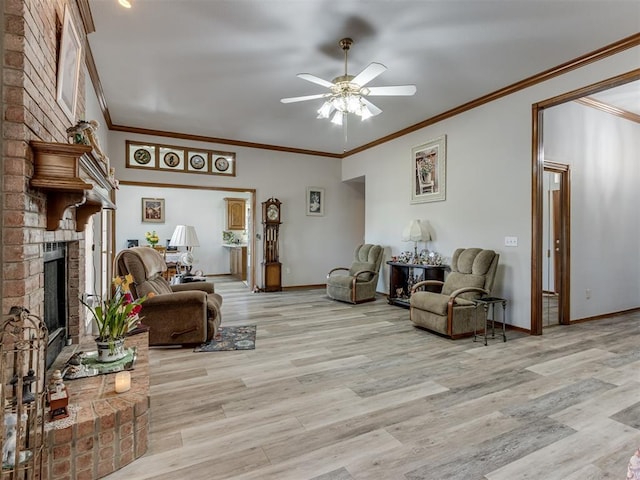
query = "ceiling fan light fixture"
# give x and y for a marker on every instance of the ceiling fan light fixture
(125, 3)
(365, 113)
(347, 92)
(337, 118)
(325, 110)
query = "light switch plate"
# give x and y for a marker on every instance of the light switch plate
(510, 241)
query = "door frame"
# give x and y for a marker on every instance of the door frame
(563, 269)
(537, 183)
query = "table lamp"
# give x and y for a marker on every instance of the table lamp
(185, 236)
(415, 232)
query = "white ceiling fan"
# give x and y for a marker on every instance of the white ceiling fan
(347, 92)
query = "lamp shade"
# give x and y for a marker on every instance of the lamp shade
(416, 231)
(184, 236)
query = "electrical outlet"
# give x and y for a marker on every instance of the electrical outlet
(587, 293)
(287, 270)
(510, 241)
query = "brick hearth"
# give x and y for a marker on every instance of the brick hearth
(110, 430)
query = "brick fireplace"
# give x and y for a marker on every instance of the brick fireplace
(50, 190)
(32, 113)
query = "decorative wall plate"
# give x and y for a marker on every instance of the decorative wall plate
(171, 159)
(142, 156)
(197, 162)
(222, 164)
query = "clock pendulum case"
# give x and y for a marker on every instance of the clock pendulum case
(271, 266)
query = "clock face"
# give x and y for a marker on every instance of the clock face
(272, 212)
(142, 156)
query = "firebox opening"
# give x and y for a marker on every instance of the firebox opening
(55, 297)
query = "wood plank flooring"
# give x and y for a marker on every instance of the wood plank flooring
(344, 392)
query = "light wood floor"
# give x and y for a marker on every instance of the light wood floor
(340, 392)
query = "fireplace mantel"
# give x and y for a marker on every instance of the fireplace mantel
(72, 176)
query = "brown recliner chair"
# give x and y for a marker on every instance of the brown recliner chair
(177, 314)
(357, 283)
(452, 311)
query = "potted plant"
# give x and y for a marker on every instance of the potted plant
(152, 238)
(115, 317)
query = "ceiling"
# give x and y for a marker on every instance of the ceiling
(218, 68)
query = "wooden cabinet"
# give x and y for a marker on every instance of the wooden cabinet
(236, 216)
(404, 275)
(238, 262)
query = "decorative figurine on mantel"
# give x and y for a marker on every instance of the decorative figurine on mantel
(84, 133)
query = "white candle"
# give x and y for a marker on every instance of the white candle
(123, 381)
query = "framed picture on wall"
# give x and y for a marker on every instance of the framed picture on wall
(315, 201)
(153, 210)
(428, 171)
(132, 243)
(68, 67)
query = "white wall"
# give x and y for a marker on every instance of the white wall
(205, 210)
(488, 181)
(603, 152)
(309, 245)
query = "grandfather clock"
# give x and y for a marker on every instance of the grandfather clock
(271, 266)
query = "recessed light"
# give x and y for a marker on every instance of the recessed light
(125, 3)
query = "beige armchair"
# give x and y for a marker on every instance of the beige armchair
(356, 284)
(452, 311)
(177, 314)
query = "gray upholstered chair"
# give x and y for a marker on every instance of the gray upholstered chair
(452, 311)
(177, 314)
(357, 284)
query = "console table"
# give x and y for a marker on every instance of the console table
(403, 275)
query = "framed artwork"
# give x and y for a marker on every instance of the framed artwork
(141, 156)
(153, 210)
(171, 159)
(428, 171)
(132, 243)
(157, 156)
(68, 67)
(197, 162)
(315, 201)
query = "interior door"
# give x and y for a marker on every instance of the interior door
(556, 234)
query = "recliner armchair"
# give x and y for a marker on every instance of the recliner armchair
(452, 311)
(357, 283)
(177, 314)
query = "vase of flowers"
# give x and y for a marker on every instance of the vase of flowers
(152, 238)
(115, 317)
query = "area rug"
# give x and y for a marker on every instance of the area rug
(231, 338)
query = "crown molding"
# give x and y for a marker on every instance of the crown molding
(85, 14)
(596, 55)
(605, 107)
(224, 141)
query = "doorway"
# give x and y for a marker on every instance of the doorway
(556, 245)
(538, 254)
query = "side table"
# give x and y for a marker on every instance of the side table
(403, 275)
(487, 302)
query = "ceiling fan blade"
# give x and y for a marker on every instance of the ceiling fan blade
(372, 108)
(396, 90)
(313, 79)
(304, 98)
(370, 72)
